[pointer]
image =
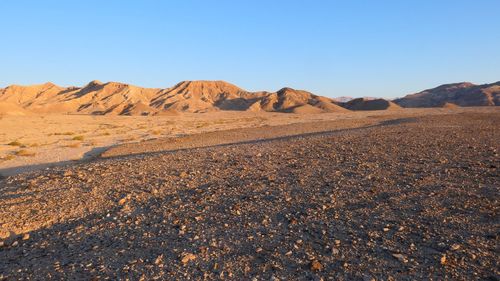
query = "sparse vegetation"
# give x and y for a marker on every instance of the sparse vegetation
(24, 152)
(205, 124)
(15, 143)
(8, 157)
(156, 132)
(78, 138)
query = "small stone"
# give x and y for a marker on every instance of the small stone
(386, 229)
(316, 266)
(187, 257)
(183, 175)
(455, 247)
(7, 237)
(122, 201)
(335, 251)
(443, 259)
(400, 257)
(26, 236)
(159, 260)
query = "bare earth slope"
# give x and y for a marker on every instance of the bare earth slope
(115, 98)
(461, 94)
(410, 199)
(10, 109)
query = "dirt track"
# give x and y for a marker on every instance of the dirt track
(405, 200)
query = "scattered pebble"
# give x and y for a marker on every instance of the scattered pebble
(316, 266)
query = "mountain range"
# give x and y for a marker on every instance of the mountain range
(188, 96)
(114, 98)
(461, 94)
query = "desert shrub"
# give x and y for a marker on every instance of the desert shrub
(15, 143)
(24, 152)
(8, 157)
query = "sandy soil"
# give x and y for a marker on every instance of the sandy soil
(412, 198)
(57, 139)
(35, 142)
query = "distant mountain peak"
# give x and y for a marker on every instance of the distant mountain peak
(49, 84)
(95, 82)
(286, 89)
(454, 86)
(371, 104)
(460, 94)
(206, 83)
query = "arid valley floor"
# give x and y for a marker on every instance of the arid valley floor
(374, 195)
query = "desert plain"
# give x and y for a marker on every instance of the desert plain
(35, 142)
(364, 195)
(250, 140)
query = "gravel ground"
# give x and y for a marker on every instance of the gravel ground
(408, 199)
(242, 135)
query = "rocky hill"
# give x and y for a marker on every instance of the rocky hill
(189, 96)
(370, 104)
(461, 94)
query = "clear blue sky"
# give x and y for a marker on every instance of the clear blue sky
(333, 48)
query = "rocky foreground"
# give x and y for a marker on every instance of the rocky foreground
(409, 199)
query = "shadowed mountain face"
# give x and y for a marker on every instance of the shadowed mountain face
(188, 96)
(370, 104)
(461, 94)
